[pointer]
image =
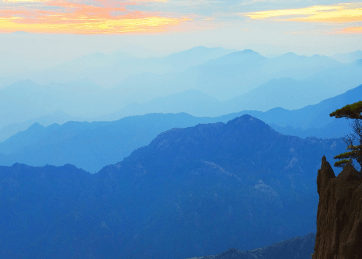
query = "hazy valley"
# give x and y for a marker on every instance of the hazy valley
(185, 155)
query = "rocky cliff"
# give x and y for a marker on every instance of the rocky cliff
(339, 218)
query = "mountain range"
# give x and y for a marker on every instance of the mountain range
(190, 192)
(312, 120)
(235, 81)
(295, 248)
(186, 155)
(237, 73)
(108, 70)
(92, 146)
(57, 117)
(348, 57)
(286, 92)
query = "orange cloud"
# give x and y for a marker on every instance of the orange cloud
(24, 1)
(351, 30)
(159, 1)
(76, 18)
(341, 13)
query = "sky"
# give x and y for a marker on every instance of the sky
(59, 30)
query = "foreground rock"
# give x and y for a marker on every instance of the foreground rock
(295, 248)
(339, 218)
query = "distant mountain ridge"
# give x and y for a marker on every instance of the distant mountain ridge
(91, 146)
(312, 116)
(312, 120)
(110, 69)
(237, 73)
(348, 57)
(57, 117)
(192, 102)
(295, 248)
(239, 77)
(288, 93)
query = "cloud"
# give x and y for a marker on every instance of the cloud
(157, 1)
(152, 16)
(339, 13)
(23, 1)
(97, 17)
(351, 30)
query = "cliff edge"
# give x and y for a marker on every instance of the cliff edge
(339, 217)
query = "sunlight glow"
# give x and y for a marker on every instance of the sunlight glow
(341, 13)
(88, 26)
(77, 18)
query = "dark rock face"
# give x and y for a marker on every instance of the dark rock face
(295, 248)
(339, 218)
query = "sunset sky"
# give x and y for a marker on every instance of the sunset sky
(64, 28)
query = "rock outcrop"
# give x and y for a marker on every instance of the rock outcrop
(339, 218)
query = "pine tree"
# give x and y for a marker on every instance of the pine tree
(351, 111)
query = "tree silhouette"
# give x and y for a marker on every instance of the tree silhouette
(351, 111)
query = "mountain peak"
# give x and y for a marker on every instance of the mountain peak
(247, 121)
(36, 126)
(249, 51)
(238, 57)
(203, 139)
